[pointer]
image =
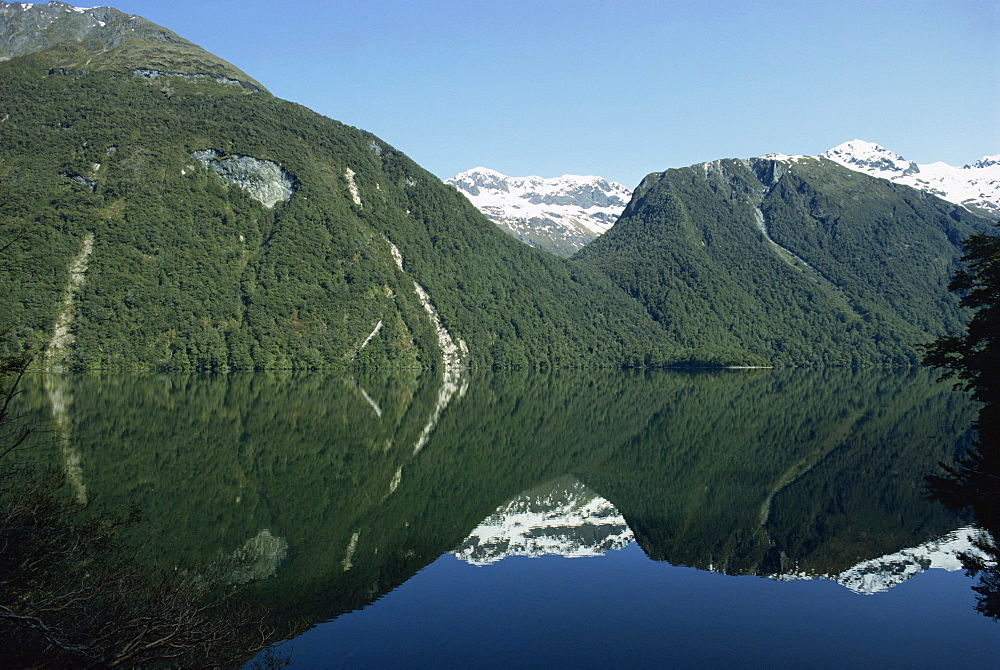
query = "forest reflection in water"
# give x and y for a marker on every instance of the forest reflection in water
(334, 489)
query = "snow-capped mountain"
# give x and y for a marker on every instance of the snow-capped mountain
(559, 215)
(563, 517)
(975, 186)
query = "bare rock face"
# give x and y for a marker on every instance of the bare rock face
(28, 28)
(265, 181)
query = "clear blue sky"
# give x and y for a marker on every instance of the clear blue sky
(620, 89)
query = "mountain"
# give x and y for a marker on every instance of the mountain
(559, 215)
(164, 211)
(565, 518)
(878, 575)
(976, 186)
(103, 38)
(563, 214)
(790, 258)
(167, 212)
(785, 471)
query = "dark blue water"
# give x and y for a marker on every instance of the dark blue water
(624, 610)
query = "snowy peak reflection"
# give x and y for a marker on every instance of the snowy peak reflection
(878, 575)
(562, 517)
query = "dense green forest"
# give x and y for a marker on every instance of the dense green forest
(801, 262)
(187, 272)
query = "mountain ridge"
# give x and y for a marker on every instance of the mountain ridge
(167, 219)
(84, 39)
(518, 204)
(744, 254)
(181, 222)
(565, 518)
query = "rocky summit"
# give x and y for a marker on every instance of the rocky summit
(103, 38)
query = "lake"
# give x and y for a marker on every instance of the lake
(751, 518)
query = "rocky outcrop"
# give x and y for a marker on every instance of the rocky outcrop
(265, 181)
(259, 558)
(146, 73)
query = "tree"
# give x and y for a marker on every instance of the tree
(974, 357)
(973, 481)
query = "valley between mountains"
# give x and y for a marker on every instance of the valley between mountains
(164, 211)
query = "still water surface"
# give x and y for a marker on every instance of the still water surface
(750, 518)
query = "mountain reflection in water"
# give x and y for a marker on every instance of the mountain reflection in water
(780, 473)
(565, 518)
(562, 518)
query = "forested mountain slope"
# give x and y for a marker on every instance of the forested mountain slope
(184, 222)
(795, 260)
(160, 209)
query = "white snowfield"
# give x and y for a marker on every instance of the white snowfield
(975, 186)
(569, 211)
(880, 574)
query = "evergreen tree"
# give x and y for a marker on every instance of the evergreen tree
(974, 356)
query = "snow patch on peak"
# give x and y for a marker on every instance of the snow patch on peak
(784, 158)
(880, 574)
(976, 186)
(871, 158)
(25, 6)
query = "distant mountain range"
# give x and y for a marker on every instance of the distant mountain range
(563, 214)
(559, 215)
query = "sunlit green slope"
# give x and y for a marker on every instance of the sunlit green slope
(180, 222)
(163, 210)
(796, 260)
